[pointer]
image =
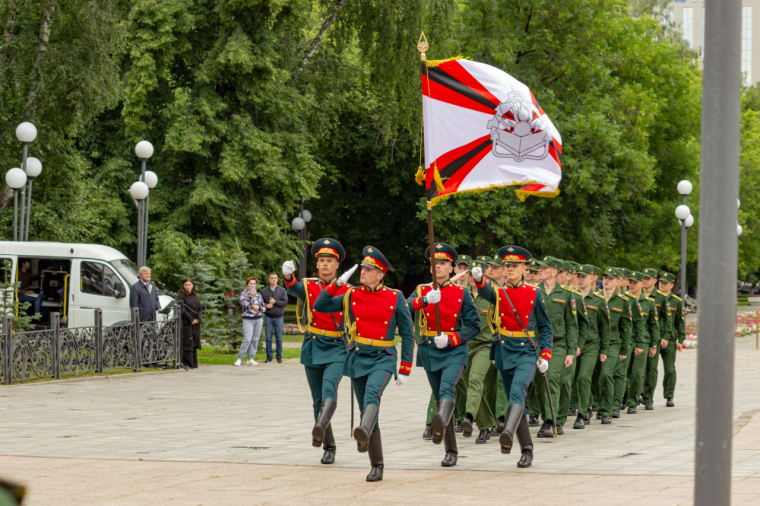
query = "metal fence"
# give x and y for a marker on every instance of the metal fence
(61, 351)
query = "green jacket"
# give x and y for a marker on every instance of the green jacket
(581, 316)
(639, 336)
(664, 319)
(649, 311)
(677, 323)
(559, 307)
(485, 336)
(620, 314)
(598, 323)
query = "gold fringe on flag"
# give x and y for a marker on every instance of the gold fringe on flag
(435, 63)
(505, 184)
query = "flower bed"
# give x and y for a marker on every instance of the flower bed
(745, 324)
(290, 329)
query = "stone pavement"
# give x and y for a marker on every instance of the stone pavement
(174, 433)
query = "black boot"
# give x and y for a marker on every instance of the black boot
(363, 432)
(526, 444)
(500, 425)
(441, 419)
(428, 434)
(483, 437)
(329, 446)
(450, 445)
(375, 447)
(323, 420)
(670, 402)
(579, 423)
(514, 415)
(547, 429)
(467, 425)
(533, 421)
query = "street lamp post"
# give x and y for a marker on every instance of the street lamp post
(299, 225)
(15, 179)
(683, 213)
(33, 170)
(139, 191)
(143, 150)
(26, 133)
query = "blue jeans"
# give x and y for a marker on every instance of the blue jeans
(276, 325)
(36, 300)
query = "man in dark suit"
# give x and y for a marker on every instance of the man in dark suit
(144, 297)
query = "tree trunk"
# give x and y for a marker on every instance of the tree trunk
(329, 19)
(42, 46)
(8, 35)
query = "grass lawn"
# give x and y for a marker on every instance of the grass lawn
(219, 355)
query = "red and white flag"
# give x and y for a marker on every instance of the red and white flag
(483, 130)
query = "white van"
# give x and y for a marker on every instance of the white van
(75, 279)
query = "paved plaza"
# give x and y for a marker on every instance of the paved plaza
(226, 435)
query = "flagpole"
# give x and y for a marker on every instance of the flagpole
(422, 46)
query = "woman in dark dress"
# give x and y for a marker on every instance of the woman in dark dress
(191, 323)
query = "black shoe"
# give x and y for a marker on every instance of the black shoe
(641, 400)
(514, 417)
(483, 437)
(494, 431)
(279, 361)
(428, 434)
(594, 408)
(631, 410)
(329, 446)
(579, 423)
(572, 412)
(533, 421)
(526, 460)
(466, 426)
(441, 419)
(547, 429)
(649, 406)
(323, 420)
(622, 406)
(598, 415)
(375, 456)
(615, 413)
(560, 430)
(458, 427)
(606, 420)
(526, 444)
(587, 418)
(450, 460)
(328, 458)
(267, 360)
(500, 425)
(363, 433)
(670, 403)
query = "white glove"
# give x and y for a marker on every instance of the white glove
(477, 273)
(288, 268)
(433, 296)
(346, 275)
(441, 341)
(543, 365)
(402, 379)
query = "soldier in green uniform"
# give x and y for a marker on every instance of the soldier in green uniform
(323, 351)
(374, 313)
(638, 360)
(559, 305)
(524, 327)
(568, 373)
(441, 347)
(619, 312)
(598, 335)
(676, 337)
(479, 369)
(530, 275)
(662, 307)
(639, 335)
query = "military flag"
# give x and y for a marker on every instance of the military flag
(484, 129)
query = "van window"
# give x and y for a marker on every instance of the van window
(127, 270)
(98, 279)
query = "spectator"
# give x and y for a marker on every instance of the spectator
(25, 292)
(191, 323)
(276, 298)
(144, 297)
(253, 309)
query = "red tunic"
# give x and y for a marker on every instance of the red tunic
(449, 308)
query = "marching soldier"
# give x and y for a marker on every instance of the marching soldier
(323, 351)
(638, 360)
(676, 337)
(568, 373)
(531, 273)
(440, 347)
(662, 307)
(619, 313)
(639, 336)
(374, 313)
(598, 335)
(523, 327)
(559, 305)
(497, 399)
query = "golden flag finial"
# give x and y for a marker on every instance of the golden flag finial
(422, 44)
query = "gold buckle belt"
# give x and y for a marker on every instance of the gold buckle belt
(433, 333)
(375, 342)
(326, 333)
(510, 333)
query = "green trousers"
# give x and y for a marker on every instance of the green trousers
(621, 378)
(669, 364)
(474, 380)
(607, 380)
(638, 369)
(554, 374)
(596, 393)
(567, 377)
(584, 372)
(458, 407)
(650, 379)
